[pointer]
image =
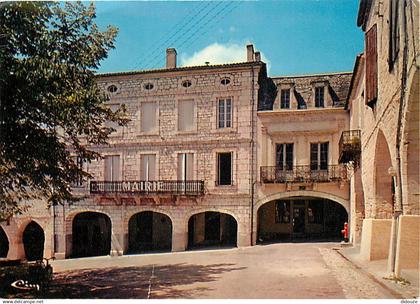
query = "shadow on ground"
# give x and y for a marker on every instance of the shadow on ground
(168, 281)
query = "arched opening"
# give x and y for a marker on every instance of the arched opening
(91, 234)
(4, 244)
(411, 157)
(212, 229)
(301, 219)
(149, 231)
(33, 241)
(384, 184)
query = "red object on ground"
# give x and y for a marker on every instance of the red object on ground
(345, 232)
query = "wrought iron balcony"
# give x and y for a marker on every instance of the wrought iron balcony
(194, 188)
(303, 174)
(350, 147)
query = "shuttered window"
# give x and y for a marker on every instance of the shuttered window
(185, 166)
(148, 116)
(148, 167)
(394, 33)
(112, 168)
(186, 115)
(371, 66)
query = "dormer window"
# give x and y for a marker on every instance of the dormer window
(319, 97)
(285, 99)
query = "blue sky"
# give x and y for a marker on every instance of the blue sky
(294, 36)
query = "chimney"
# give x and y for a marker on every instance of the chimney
(257, 56)
(249, 53)
(170, 58)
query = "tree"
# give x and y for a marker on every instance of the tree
(50, 104)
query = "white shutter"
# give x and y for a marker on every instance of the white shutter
(186, 115)
(190, 166)
(148, 167)
(148, 116)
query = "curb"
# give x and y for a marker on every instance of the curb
(394, 293)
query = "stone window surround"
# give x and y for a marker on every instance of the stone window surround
(234, 126)
(215, 173)
(147, 81)
(226, 76)
(118, 91)
(183, 79)
(327, 97)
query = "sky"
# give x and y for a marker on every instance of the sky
(295, 37)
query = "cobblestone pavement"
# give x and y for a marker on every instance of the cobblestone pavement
(285, 270)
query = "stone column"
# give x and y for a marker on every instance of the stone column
(179, 236)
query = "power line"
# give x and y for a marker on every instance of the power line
(153, 60)
(176, 29)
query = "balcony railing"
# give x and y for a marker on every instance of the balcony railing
(303, 174)
(350, 146)
(148, 187)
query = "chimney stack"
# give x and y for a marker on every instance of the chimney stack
(170, 58)
(249, 53)
(257, 56)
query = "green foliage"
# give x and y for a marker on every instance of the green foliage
(50, 103)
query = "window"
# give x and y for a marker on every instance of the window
(225, 113)
(282, 211)
(186, 83)
(112, 168)
(148, 86)
(186, 115)
(186, 166)
(225, 81)
(285, 99)
(112, 88)
(394, 33)
(315, 211)
(148, 167)
(319, 156)
(81, 165)
(110, 124)
(319, 97)
(284, 156)
(224, 165)
(148, 116)
(371, 67)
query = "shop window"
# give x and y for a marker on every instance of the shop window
(224, 168)
(282, 212)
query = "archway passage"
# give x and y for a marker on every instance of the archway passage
(149, 231)
(301, 219)
(209, 229)
(91, 235)
(384, 184)
(33, 241)
(4, 244)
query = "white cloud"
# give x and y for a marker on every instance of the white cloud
(217, 53)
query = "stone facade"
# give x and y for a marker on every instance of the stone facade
(389, 168)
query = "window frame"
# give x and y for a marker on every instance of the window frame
(218, 113)
(319, 102)
(218, 175)
(321, 165)
(194, 113)
(112, 168)
(155, 129)
(282, 98)
(285, 165)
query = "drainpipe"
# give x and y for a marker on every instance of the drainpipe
(398, 210)
(252, 154)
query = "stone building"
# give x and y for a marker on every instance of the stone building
(384, 121)
(178, 176)
(302, 191)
